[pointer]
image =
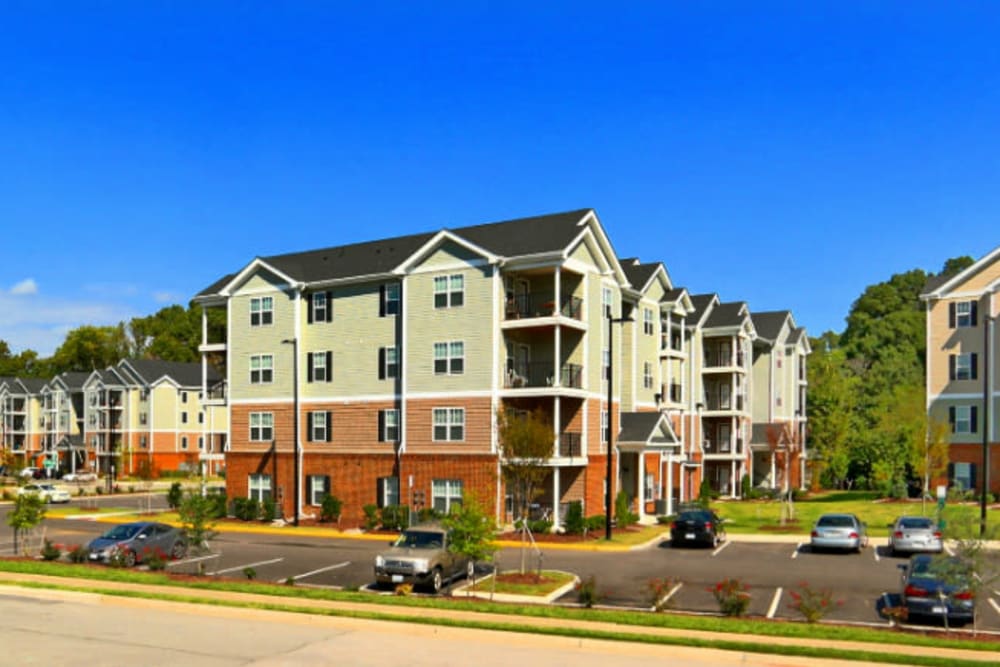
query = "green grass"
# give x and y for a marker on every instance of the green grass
(758, 516)
(620, 617)
(552, 581)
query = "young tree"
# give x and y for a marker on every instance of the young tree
(968, 567)
(929, 458)
(526, 441)
(832, 403)
(197, 513)
(471, 532)
(28, 511)
(902, 426)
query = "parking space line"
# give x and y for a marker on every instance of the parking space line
(773, 609)
(673, 590)
(243, 567)
(192, 560)
(875, 551)
(721, 547)
(795, 554)
(322, 569)
(951, 552)
(996, 607)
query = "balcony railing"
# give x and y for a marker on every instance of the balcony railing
(731, 403)
(676, 393)
(522, 306)
(673, 342)
(540, 374)
(716, 359)
(217, 392)
(570, 445)
(722, 446)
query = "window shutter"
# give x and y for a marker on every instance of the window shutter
(972, 475)
(381, 363)
(975, 359)
(329, 306)
(951, 315)
(381, 300)
(951, 417)
(974, 315)
(309, 367)
(309, 307)
(309, 489)
(951, 366)
(329, 366)
(380, 491)
(972, 419)
(329, 426)
(951, 473)
(327, 489)
(309, 427)
(381, 425)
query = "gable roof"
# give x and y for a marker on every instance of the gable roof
(935, 288)
(731, 314)
(701, 303)
(28, 385)
(645, 429)
(639, 274)
(185, 374)
(769, 323)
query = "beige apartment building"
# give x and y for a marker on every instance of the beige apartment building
(962, 368)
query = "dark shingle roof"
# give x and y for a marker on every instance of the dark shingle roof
(701, 303)
(74, 379)
(526, 236)
(796, 335)
(768, 324)
(639, 274)
(726, 315)
(32, 385)
(673, 294)
(186, 374)
(215, 287)
(638, 426)
(933, 282)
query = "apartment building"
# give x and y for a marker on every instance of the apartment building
(962, 368)
(384, 364)
(23, 419)
(62, 405)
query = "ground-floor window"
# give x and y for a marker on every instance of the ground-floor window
(388, 491)
(260, 487)
(446, 493)
(651, 490)
(963, 475)
(317, 488)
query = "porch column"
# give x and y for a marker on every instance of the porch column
(641, 483)
(556, 495)
(670, 484)
(557, 361)
(774, 479)
(732, 478)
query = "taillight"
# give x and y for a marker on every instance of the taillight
(898, 533)
(708, 525)
(964, 595)
(912, 591)
(853, 535)
(937, 534)
(815, 533)
(673, 525)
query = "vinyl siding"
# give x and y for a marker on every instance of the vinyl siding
(245, 341)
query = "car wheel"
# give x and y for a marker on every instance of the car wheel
(437, 580)
(179, 550)
(129, 558)
(470, 571)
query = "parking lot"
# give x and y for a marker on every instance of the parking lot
(861, 583)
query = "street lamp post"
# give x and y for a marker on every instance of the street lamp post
(611, 431)
(294, 342)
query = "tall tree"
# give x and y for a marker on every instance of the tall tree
(526, 441)
(832, 403)
(89, 348)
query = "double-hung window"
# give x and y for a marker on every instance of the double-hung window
(449, 424)
(261, 426)
(320, 423)
(259, 487)
(320, 307)
(647, 375)
(390, 299)
(320, 367)
(607, 300)
(261, 311)
(963, 418)
(962, 314)
(388, 425)
(604, 426)
(446, 494)
(963, 366)
(449, 291)
(449, 358)
(317, 488)
(388, 362)
(261, 368)
(648, 326)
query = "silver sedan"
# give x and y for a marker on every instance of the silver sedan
(839, 531)
(910, 534)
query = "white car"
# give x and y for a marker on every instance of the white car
(80, 476)
(48, 492)
(29, 472)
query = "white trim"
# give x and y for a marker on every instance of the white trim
(421, 253)
(964, 274)
(257, 263)
(927, 346)
(960, 397)
(451, 266)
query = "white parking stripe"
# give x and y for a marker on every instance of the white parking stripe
(996, 607)
(673, 590)
(951, 552)
(192, 560)
(772, 610)
(322, 569)
(875, 551)
(243, 567)
(721, 547)
(795, 554)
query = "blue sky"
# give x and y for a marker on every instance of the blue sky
(784, 154)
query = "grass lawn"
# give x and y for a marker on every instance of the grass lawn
(548, 582)
(758, 516)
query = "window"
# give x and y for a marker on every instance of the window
(143, 418)
(261, 311)
(449, 291)
(449, 424)
(184, 397)
(388, 362)
(647, 375)
(184, 442)
(201, 417)
(648, 327)
(320, 367)
(184, 417)
(607, 300)
(259, 487)
(320, 307)
(449, 358)
(604, 426)
(650, 487)
(317, 488)
(963, 418)
(261, 368)
(963, 366)
(319, 426)
(446, 493)
(605, 364)
(389, 299)
(142, 442)
(144, 395)
(201, 442)
(388, 425)
(388, 491)
(261, 426)
(963, 475)
(962, 314)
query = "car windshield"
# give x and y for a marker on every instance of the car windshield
(836, 522)
(419, 539)
(122, 532)
(915, 523)
(695, 516)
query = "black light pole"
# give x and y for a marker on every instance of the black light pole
(987, 400)
(611, 431)
(295, 427)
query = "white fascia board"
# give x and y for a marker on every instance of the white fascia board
(249, 269)
(537, 260)
(352, 280)
(166, 379)
(444, 235)
(942, 290)
(597, 229)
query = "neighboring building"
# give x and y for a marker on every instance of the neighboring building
(63, 406)
(398, 354)
(23, 420)
(962, 367)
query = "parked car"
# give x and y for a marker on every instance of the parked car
(909, 534)
(48, 492)
(927, 594)
(697, 526)
(31, 472)
(134, 540)
(839, 531)
(421, 557)
(80, 476)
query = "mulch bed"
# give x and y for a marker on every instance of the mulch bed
(566, 538)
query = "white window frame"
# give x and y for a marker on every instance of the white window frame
(647, 375)
(317, 426)
(317, 483)
(390, 431)
(963, 419)
(319, 364)
(648, 326)
(264, 369)
(390, 368)
(962, 474)
(259, 487)
(607, 301)
(264, 426)
(390, 490)
(319, 305)
(963, 366)
(448, 491)
(604, 427)
(452, 420)
(392, 301)
(263, 308)
(449, 291)
(451, 354)
(963, 314)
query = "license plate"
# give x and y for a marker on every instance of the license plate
(937, 610)
(397, 578)
(688, 536)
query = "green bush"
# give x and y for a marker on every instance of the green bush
(596, 522)
(395, 517)
(268, 510)
(331, 508)
(539, 526)
(78, 553)
(175, 495)
(428, 514)
(246, 509)
(574, 523)
(154, 559)
(50, 551)
(219, 502)
(623, 511)
(706, 493)
(371, 516)
(746, 488)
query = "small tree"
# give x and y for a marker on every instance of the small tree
(28, 512)
(175, 495)
(145, 472)
(968, 568)
(471, 532)
(526, 442)
(197, 514)
(929, 457)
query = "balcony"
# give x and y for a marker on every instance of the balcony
(724, 446)
(675, 393)
(216, 394)
(723, 359)
(570, 445)
(673, 344)
(539, 374)
(527, 306)
(724, 404)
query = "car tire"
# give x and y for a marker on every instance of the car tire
(178, 551)
(436, 582)
(129, 558)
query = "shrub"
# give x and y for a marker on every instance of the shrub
(395, 517)
(539, 526)
(154, 558)
(246, 509)
(249, 573)
(428, 514)
(586, 592)
(596, 522)
(174, 495)
(268, 510)
(219, 502)
(118, 558)
(575, 523)
(665, 519)
(331, 508)
(623, 511)
(732, 595)
(657, 590)
(290, 581)
(78, 553)
(746, 487)
(812, 603)
(51, 551)
(706, 493)
(131, 488)
(371, 516)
